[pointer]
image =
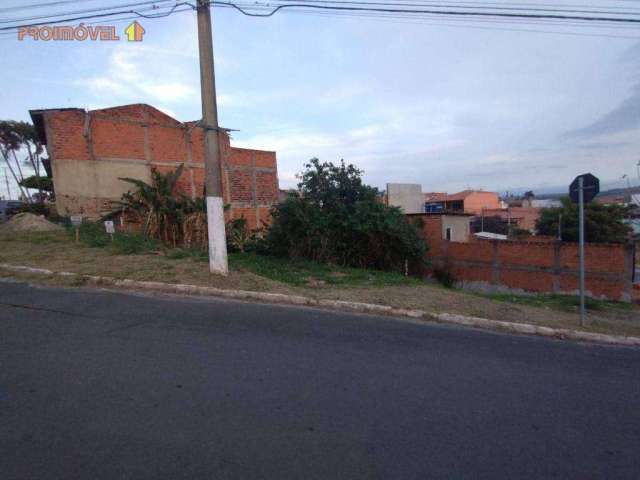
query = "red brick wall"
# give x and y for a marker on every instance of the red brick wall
(140, 133)
(65, 134)
(541, 267)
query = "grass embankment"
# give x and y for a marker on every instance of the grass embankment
(565, 303)
(136, 257)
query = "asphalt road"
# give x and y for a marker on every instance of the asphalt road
(103, 385)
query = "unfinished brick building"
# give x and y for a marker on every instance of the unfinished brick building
(91, 150)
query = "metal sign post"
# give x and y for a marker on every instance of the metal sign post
(583, 189)
(581, 248)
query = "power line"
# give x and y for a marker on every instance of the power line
(543, 22)
(466, 25)
(373, 10)
(93, 10)
(10, 33)
(38, 5)
(267, 7)
(476, 6)
(278, 8)
(137, 13)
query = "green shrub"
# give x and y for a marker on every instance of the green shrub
(94, 235)
(444, 276)
(238, 235)
(166, 215)
(338, 219)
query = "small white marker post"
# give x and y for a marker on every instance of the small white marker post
(110, 228)
(76, 221)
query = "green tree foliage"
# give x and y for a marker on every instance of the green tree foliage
(603, 223)
(38, 183)
(338, 219)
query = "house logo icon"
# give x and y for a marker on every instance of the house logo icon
(134, 32)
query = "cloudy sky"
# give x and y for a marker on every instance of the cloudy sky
(450, 105)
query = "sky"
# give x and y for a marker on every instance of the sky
(446, 104)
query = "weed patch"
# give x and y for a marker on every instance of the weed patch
(131, 244)
(93, 235)
(568, 303)
(184, 253)
(304, 272)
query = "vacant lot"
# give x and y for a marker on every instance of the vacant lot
(59, 252)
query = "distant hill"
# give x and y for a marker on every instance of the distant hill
(613, 192)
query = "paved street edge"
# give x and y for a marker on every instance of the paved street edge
(449, 318)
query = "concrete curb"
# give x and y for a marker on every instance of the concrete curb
(448, 318)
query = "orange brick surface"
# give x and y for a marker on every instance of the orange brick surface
(141, 133)
(540, 267)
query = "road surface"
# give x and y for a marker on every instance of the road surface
(104, 385)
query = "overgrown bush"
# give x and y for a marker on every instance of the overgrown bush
(444, 276)
(94, 235)
(174, 219)
(338, 219)
(239, 235)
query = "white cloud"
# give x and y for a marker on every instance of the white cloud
(166, 111)
(140, 75)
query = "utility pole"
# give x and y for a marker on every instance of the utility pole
(213, 186)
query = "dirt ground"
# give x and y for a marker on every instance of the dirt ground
(58, 252)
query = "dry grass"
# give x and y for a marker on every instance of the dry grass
(58, 252)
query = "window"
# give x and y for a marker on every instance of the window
(448, 233)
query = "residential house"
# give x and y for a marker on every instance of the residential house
(452, 227)
(521, 217)
(467, 201)
(541, 203)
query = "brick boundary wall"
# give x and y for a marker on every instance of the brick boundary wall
(538, 267)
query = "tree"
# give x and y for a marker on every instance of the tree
(338, 219)
(18, 137)
(164, 215)
(602, 223)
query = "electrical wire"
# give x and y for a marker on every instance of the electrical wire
(420, 21)
(39, 5)
(280, 7)
(267, 6)
(100, 15)
(381, 11)
(93, 10)
(467, 6)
